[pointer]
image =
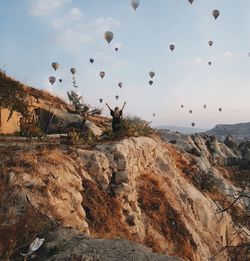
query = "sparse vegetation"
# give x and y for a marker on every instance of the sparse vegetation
(44, 95)
(163, 217)
(237, 205)
(204, 181)
(12, 95)
(17, 230)
(200, 179)
(30, 128)
(103, 213)
(239, 210)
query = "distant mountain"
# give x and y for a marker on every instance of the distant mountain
(184, 130)
(239, 131)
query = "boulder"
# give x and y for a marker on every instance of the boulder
(121, 177)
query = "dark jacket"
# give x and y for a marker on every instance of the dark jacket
(116, 121)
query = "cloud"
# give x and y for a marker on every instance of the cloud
(46, 7)
(75, 13)
(71, 27)
(70, 38)
(71, 33)
(110, 61)
(228, 54)
(59, 23)
(199, 60)
(103, 24)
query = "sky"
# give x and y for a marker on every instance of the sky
(35, 33)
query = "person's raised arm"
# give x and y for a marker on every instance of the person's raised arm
(123, 105)
(108, 106)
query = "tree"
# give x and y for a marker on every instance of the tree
(81, 108)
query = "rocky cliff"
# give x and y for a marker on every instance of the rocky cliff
(239, 132)
(53, 114)
(159, 192)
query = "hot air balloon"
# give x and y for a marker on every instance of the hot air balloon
(73, 71)
(52, 79)
(100, 100)
(153, 114)
(172, 47)
(204, 106)
(216, 13)
(220, 109)
(91, 60)
(190, 111)
(182, 106)
(117, 97)
(152, 74)
(102, 74)
(150, 82)
(55, 65)
(116, 48)
(108, 36)
(209, 63)
(120, 84)
(135, 4)
(210, 43)
(193, 124)
(190, 1)
(60, 80)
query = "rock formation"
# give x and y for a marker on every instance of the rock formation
(145, 190)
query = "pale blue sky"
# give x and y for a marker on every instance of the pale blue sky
(35, 33)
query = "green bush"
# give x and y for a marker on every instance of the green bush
(135, 127)
(131, 127)
(82, 137)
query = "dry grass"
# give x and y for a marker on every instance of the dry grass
(19, 221)
(100, 121)
(6, 82)
(103, 213)
(164, 218)
(44, 95)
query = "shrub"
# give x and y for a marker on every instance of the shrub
(204, 181)
(96, 111)
(82, 137)
(30, 128)
(131, 127)
(135, 127)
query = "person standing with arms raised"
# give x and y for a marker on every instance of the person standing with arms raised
(116, 120)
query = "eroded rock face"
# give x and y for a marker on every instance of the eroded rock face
(232, 144)
(141, 189)
(207, 147)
